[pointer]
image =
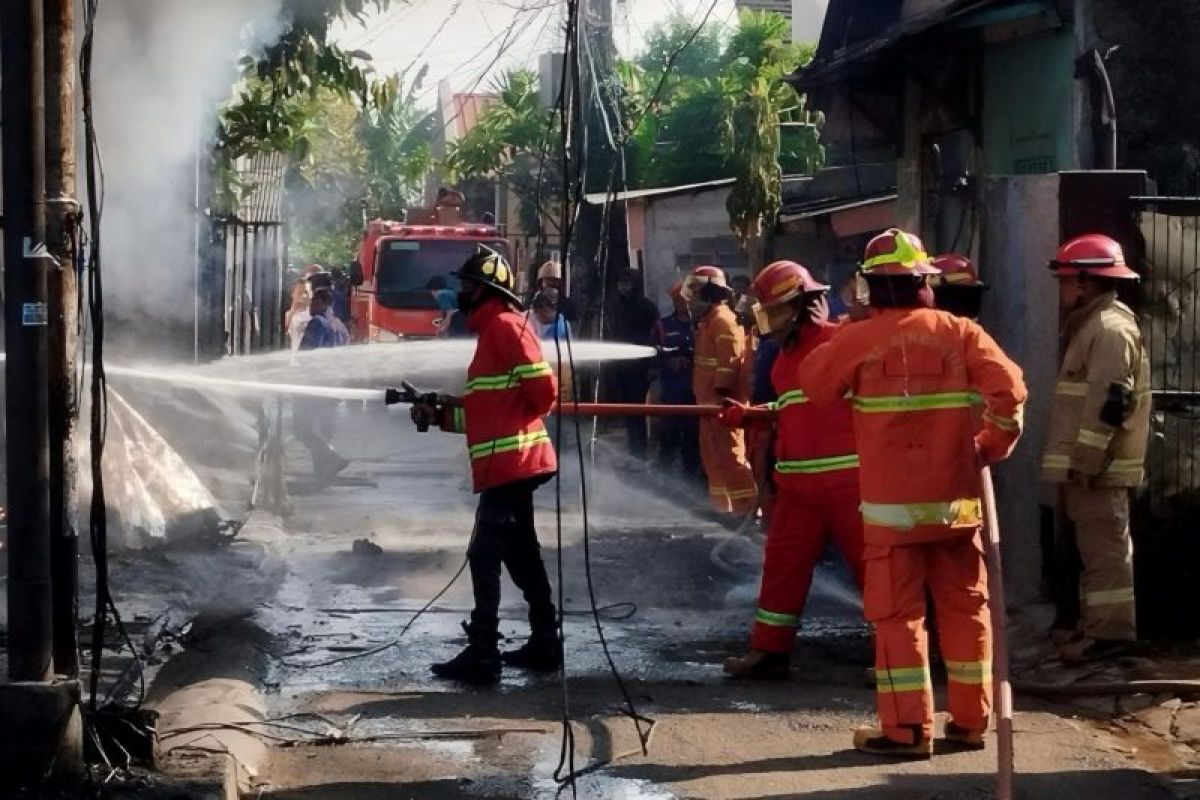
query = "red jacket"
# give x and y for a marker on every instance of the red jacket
(510, 388)
(810, 439)
(916, 376)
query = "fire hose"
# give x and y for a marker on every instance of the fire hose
(411, 395)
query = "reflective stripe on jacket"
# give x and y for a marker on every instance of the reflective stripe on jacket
(810, 439)
(510, 388)
(720, 355)
(1100, 420)
(916, 376)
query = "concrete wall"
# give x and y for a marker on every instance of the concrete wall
(1021, 312)
(1028, 112)
(672, 227)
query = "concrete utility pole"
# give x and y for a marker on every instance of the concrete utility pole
(25, 324)
(40, 716)
(62, 214)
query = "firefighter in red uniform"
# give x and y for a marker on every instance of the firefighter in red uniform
(816, 470)
(510, 388)
(915, 375)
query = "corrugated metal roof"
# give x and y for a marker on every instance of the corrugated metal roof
(263, 173)
(819, 208)
(599, 198)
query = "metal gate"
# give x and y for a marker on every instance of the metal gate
(1167, 533)
(251, 277)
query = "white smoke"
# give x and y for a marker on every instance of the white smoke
(161, 68)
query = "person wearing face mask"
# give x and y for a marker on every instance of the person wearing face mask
(815, 474)
(717, 375)
(1096, 446)
(510, 390)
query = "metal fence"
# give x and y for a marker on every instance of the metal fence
(1167, 535)
(255, 260)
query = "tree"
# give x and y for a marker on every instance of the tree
(357, 161)
(755, 198)
(695, 129)
(514, 141)
(756, 60)
(272, 110)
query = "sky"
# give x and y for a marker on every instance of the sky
(472, 41)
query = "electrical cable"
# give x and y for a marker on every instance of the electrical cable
(98, 520)
(570, 108)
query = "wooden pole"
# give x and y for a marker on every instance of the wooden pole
(1000, 672)
(62, 216)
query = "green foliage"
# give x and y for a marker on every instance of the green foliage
(355, 143)
(755, 198)
(757, 59)
(687, 134)
(370, 161)
(513, 141)
(397, 137)
(698, 60)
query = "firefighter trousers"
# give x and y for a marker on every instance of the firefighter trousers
(505, 536)
(1101, 518)
(731, 486)
(801, 525)
(894, 602)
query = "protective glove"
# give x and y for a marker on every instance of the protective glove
(425, 415)
(733, 415)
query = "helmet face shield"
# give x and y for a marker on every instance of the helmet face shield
(773, 320)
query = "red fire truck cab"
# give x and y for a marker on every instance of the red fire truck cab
(406, 284)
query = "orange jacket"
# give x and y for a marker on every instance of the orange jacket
(915, 375)
(719, 361)
(510, 388)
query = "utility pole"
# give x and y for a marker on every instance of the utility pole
(62, 214)
(40, 715)
(25, 322)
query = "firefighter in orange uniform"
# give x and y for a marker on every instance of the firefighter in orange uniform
(510, 389)
(716, 377)
(915, 374)
(816, 470)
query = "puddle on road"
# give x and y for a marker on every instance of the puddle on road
(593, 786)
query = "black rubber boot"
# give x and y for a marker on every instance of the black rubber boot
(478, 664)
(542, 653)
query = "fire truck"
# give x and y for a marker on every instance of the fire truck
(404, 282)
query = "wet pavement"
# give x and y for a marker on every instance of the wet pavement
(335, 665)
(355, 713)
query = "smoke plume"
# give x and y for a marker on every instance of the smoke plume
(161, 69)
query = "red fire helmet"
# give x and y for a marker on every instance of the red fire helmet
(782, 281)
(1092, 254)
(957, 270)
(703, 276)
